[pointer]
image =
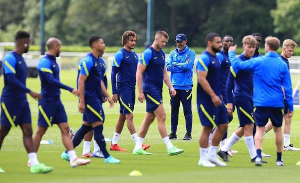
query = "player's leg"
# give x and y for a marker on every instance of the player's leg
(74, 160)
(4, 130)
(175, 104)
(161, 119)
(138, 150)
(98, 135)
(276, 118)
(118, 130)
(287, 134)
(37, 137)
(205, 112)
(86, 150)
(186, 100)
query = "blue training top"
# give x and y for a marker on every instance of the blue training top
(225, 67)
(285, 60)
(212, 65)
(94, 69)
(15, 74)
(49, 76)
(270, 74)
(125, 65)
(153, 75)
(181, 64)
(243, 83)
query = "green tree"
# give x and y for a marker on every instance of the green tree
(287, 18)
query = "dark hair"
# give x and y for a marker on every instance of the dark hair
(256, 34)
(94, 39)
(211, 36)
(126, 35)
(226, 36)
(21, 35)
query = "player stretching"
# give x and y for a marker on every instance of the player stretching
(151, 73)
(51, 109)
(90, 86)
(14, 105)
(123, 87)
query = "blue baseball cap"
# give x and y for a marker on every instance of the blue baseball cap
(181, 37)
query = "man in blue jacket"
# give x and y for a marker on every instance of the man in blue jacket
(270, 74)
(180, 63)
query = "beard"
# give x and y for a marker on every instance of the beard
(216, 50)
(57, 54)
(26, 50)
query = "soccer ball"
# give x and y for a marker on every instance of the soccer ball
(71, 133)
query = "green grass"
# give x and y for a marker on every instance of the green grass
(158, 167)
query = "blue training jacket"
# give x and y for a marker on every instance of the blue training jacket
(270, 74)
(181, 64)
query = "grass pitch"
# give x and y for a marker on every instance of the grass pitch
(158, 167)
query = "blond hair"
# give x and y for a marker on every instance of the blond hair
(273, 42)
(249, 40)
(162, 33)
(289, 43)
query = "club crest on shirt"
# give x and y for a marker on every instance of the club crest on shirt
(155, 58)
(163, 57)
(54, 65)
(20, 62)
(135, 57)
(96, 64)
(127, 56)
(213, 62)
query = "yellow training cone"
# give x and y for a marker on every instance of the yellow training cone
(135, 173)
(298, 163)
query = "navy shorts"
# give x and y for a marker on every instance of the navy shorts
(127, 101)
(51, 111)
(153, 100)
(15, 113)
(93, 112)
(212, 116)
(245, 112)
(262, 115)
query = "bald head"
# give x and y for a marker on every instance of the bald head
(53, 45)
(52, 42)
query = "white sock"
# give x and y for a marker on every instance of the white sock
(168, 142)
(116, 138)
(72, 155)
(222, 143)
(209, 139)
(134, 137)
(33, 159)
(203, 152)
(251, 147)
(230, 142)
(86, 147)
(212, 152)
(265, 133)
(287, 140)
(96, 146)
(139, 143)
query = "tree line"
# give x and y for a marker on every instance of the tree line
(74, 21)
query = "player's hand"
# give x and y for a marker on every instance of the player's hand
(290, 114)
(111, 102)
(141, 97)
(172, 92)
(115, 98)
(229, 109)
(232, 48)
(75, 92)
(81, 107)
(35, 95)
(216, 100)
